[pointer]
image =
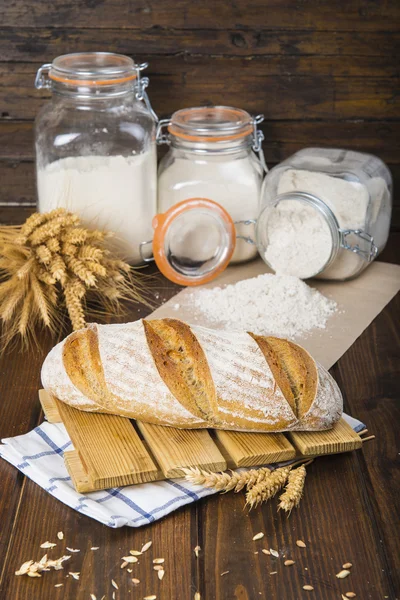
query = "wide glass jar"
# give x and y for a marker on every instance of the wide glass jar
(212, 155)
(325, 213)
(95, 146)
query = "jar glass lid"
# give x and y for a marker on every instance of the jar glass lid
(211, 124)
(93, 68)
(193, 241)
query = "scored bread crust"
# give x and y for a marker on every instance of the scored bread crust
(169, 373)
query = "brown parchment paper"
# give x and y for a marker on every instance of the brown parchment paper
(359, 302)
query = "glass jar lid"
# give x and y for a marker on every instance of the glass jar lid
(193, 241)
(211, 124)
(93, 68)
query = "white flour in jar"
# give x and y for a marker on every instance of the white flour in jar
(233, 183)
(115, 193)
(279, 305)
(300, 243)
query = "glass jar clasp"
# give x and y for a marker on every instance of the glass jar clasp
(258, 138)
(247, 239)
(42, 80)
(369, 253)
(161, 137)
(145, 259)
(141, 84)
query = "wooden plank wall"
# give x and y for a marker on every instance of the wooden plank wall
(323, 72)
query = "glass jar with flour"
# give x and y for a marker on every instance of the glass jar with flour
(212, 155)
(95, 145)
(326, 213)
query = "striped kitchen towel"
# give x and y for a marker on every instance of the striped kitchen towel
(39, 455)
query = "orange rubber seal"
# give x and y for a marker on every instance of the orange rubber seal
(162, 222)
(200, 138)
(91, 81)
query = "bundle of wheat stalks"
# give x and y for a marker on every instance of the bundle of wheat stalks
(51, 263)
(261, 484)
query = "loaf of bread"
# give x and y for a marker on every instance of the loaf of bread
(169, 373)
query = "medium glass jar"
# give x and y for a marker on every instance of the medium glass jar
(212, 155)
(325, 213)
(95, 146)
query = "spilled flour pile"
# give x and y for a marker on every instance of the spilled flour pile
(279, 305)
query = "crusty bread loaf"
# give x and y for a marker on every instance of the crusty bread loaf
(169, 373)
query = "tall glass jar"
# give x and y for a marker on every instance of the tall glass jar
(325, 213)
(212, 155)
(95, 146)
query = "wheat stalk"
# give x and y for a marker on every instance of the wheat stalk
(294, 489)
(51, 261)
(224, 481)
(267, 488)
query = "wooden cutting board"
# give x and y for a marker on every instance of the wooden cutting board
(111, 451)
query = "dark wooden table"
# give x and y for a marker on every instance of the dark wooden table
(348, 513)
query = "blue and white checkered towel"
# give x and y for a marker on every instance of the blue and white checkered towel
(39, 455)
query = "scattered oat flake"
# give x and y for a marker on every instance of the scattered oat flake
(256, 552)
(135, 552)
(113, 596)
(60, 535)
(124, 564)
(158, 561)
(75, 575)
(130, 559)
(197, 596)
(288, 563)
(93, 597)
(59, 585)
(343, 574)
(129, 570)
(274, 553)
(135, 581)
(196, 551)
(352, 595)
(114, 584)
(95, 547)
(146, 547)
(161, 574)
(47, 545)
(24, 568)
(265, 551)
(258, 536)
(158, 567)
(347, 566)
(308, 588)
(33, 574)
(72, 549)
(301, 544)
(224, 573)
(273, 572)
(150, 598)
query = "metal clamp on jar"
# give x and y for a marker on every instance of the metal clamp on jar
(214, 152)
(95, 145)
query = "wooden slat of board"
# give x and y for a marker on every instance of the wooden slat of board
(341, 438)
(77, 472)
(49, 407)
(175, 448)
(251, 449)
(109, 447)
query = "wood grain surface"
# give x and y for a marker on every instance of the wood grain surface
(348, 512)
(324, 73)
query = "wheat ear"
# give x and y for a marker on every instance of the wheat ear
(267, 488)
(294, 489)
(224, 481)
